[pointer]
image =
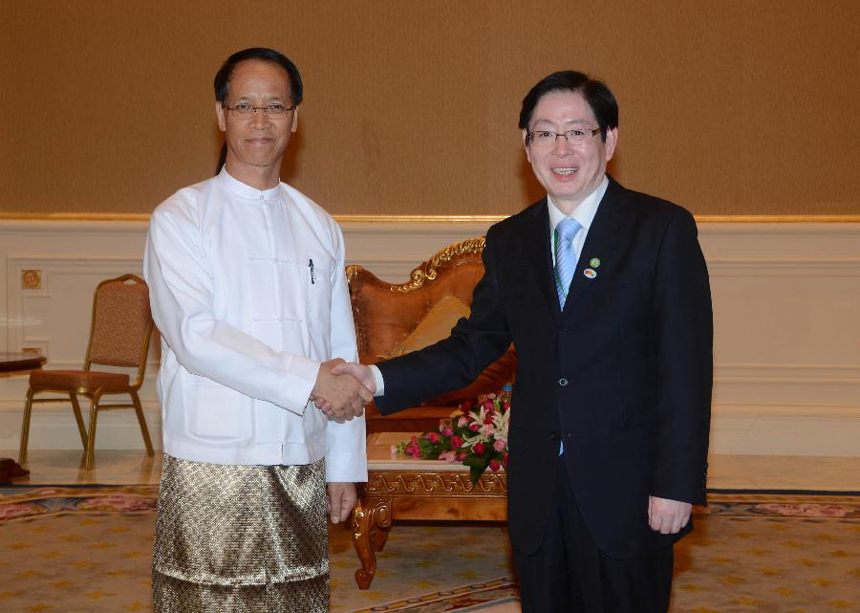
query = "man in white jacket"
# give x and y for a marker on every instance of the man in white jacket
(248, 290)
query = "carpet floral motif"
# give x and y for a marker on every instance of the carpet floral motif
(89, 549)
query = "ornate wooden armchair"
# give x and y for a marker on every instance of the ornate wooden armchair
(391, 319)
(119, 336)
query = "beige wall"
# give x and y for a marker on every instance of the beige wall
(786, 360)
(730, 107)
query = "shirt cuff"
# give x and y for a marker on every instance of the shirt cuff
(377, 378)
(346, 468)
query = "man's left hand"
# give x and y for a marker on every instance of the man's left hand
(668, 516)
(340, 499)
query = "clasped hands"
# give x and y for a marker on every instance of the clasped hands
(342, 389)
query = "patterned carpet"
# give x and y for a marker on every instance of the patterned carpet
(88, 549)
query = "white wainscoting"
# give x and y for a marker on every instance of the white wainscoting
(787, 322)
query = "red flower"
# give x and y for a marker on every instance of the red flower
(462, 456)
(494, 465)
(505, 460)
(433, 437)
(456, 442)
(447, 431)
(474, 426)
(479, 448)
(488, 404)
(488, 418)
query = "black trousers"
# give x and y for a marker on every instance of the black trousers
(569, 573)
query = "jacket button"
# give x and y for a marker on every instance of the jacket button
(554, 435)
(562, 382)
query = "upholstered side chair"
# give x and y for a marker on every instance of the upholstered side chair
(119, 337)
(395, 318)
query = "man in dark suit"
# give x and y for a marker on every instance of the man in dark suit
(604, 292)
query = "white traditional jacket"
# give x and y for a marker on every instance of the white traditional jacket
(249, 293)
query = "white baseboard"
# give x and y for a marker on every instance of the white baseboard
(792, 431)
(53, 427)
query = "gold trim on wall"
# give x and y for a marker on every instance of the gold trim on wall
(435, 218)
(75, 216)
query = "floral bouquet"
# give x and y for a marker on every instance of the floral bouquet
(476, 435)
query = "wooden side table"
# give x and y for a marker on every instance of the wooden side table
(16, 363)
(400, 488)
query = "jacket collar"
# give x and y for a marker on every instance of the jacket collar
(601, 244)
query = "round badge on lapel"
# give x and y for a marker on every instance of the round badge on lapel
(590, 273)
(594, 262)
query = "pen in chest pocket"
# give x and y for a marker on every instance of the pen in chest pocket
(311, 267)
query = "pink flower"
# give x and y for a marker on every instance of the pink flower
(487, 430)
(433, 437)
(494, 465)
(448, 432)
(463, 421)
(448, 456)
(499, 445)
(479, 448)
(488, 404)
(474, 427)
(456, 442)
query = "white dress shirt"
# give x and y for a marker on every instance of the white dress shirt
(584, 214)
(248, 290)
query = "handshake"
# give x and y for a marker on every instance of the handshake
(342, 389)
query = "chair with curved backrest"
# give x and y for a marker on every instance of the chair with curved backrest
(119, 337)
(395, 318)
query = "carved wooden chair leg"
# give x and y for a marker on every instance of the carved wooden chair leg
(138, 410)
(365, 521)
(380, 537)
(25, 428)
(79, 418)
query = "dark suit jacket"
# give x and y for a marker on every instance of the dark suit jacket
(622, 375)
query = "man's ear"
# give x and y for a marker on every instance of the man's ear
(219, 113)
(611, 141)
(295, 125)
(526, 145)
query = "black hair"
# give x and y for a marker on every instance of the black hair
(260, 54)
(598, 96)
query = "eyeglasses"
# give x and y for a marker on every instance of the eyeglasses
(243, 109)
(548, 138)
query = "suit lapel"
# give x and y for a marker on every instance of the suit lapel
(604, 240)
(537, 245)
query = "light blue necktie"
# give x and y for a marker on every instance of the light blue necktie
(565, 256)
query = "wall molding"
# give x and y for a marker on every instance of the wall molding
(787, 378)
